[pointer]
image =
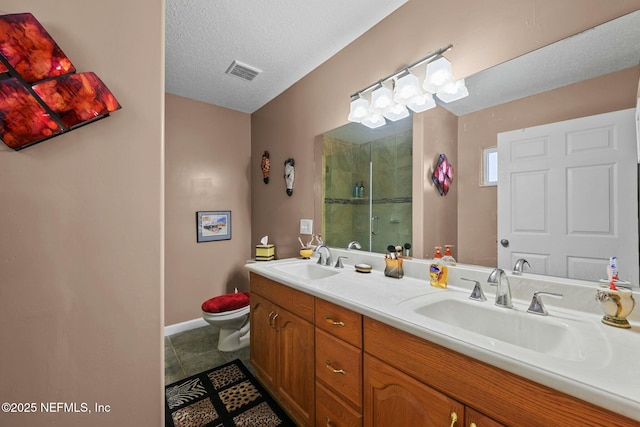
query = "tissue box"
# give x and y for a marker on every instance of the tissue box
(265, 252)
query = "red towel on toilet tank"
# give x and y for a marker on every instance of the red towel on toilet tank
(226, 302)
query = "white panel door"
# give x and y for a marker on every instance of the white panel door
(568, 197)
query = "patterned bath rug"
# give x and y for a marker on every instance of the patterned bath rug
(226, 396)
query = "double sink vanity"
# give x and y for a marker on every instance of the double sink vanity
(341, 348)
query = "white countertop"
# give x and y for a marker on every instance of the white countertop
(607, 374)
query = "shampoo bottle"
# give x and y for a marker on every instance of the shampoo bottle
(356, 191)
(438, 271)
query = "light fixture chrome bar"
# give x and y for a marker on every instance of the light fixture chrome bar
(431, 56)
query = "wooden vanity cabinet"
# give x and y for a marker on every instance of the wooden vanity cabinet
(338, 358)
(396, 360)
(282, 345)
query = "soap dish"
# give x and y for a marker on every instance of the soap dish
(363, 268)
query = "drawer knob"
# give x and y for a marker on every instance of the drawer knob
(454, 418)
(328, 421)
(333, 322)
(335, 371)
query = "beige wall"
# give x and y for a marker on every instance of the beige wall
(483, 34)
(477, 214)
(206, 168)
(437, 134)
(81, 236)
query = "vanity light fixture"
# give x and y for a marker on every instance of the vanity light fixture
(407, 93)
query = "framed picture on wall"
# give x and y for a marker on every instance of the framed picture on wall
(213, 225)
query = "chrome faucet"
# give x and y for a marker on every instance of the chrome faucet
(518, 268)
(354, 244)
(327, 261)
(503, 292)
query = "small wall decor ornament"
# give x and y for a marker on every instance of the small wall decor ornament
(442, 175)
(289, 175)
(265, 165)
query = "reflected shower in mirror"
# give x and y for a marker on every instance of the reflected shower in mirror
(367, 185)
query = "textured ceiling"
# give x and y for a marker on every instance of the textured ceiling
(285, 39)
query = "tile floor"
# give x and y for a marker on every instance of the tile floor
(194, 351)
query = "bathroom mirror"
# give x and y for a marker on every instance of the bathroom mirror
(601, 51)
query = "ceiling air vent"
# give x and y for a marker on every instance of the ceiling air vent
(243, 71)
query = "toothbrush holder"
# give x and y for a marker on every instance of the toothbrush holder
(616, 304)
(393, 268)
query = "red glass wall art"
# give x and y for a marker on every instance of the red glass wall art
(41, 95)
(442, 175)
(30, 50)
(77, 98)
(23, 119)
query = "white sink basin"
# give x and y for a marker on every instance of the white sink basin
(306, 269)
(559, 336)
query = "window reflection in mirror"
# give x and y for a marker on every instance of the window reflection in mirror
(366, 185)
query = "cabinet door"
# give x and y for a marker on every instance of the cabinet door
(474, 418)
(263, 338)
(392, 398)
(295, 383)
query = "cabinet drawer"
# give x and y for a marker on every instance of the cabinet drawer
(339, 321)
(331, 411)
(339, 367)
(296, 302)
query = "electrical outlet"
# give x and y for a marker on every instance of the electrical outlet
(306, 226)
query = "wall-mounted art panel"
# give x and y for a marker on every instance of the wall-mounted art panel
(41, 95)
(30, 50)
(24, 120)
(77, 98)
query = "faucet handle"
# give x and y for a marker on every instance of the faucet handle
(339, 261)
(536, 306)
(477, 294)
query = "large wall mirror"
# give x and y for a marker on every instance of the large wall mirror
(549, 77)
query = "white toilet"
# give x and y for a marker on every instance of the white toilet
(234, 327)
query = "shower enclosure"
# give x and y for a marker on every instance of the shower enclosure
(367, 187)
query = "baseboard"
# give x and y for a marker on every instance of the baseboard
(184, 326)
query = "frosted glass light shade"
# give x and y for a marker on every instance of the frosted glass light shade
(422, 103)
(381, 99)
(407, 87)
(359, 110)
(396, 112)
(453, 92)
(438, 76)
(374, 120)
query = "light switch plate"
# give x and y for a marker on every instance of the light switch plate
(306, 226)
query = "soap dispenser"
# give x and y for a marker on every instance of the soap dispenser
(448, 259)
(438, 270)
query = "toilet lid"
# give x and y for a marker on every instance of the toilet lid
(226, 303)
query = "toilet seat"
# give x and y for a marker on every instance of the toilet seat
(231, 314)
